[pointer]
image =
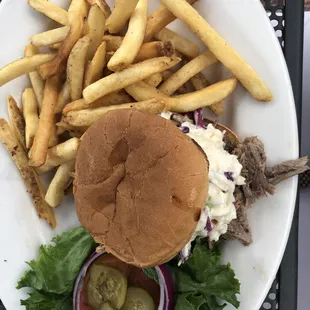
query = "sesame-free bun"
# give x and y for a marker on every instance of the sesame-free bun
(140, 186)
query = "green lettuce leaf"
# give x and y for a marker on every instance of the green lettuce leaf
(202, 281)
(53, 274)
(151, 273)
(42, 301)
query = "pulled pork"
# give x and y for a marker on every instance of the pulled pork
(260, 181)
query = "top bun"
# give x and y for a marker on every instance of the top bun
(140, 186)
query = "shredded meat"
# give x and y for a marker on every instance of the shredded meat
(260, 181)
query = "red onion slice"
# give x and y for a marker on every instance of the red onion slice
(164, 277)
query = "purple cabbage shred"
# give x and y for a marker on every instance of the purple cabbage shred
(184, 129)
(229, 176)
(208, 226)
(199, 118)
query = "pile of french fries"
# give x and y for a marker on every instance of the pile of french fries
(92, 67)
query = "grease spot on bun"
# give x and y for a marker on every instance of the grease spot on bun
(140, 186)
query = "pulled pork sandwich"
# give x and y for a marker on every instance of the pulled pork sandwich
(135, 190)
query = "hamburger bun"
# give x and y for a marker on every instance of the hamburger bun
(140, 186)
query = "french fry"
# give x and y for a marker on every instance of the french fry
(63, 126)
(188, 102)
(199, 81)
(55, 46)
(54, 137)
(95, 67)
(45, 126)
(30, 111)
(63, 98)
(103, 6)
(50, 37)
(60, 182)
(96, 25)
(20, 158)
(121, 13)
(76, 15)
(184, 74)
(127, 52)
(220, 48)
(158, 20)
(135, 73)
(115, 98)
(17, 121)
(143, 91)
(155, 49)
(113, 42)
(52, 11)
(76, 67)
(147, 50)
(89, 116)
(183, 45)
(60, 154)
(23, 66)
(35, 78)
(204, 97)
(154, 80)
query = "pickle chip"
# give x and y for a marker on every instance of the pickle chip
(138, 299)
(106, 286)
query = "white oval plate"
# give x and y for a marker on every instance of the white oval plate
(244, 24)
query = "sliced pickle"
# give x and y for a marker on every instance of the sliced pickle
(106, 306)
(138, 299)
(106, 284)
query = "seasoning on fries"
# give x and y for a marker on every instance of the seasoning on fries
(20, 158)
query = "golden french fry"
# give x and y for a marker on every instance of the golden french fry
(147, 50)
(188, 102)
(135, 73)
(76, 15)
(30, 111)
(158, 20)
(51, 10)
(96, 25)
(143, 91)
(63, 98)
(76, 67)
(63, 126)
(54, 136)
(35, 78)
(89, 116)
(184, 74)
(115, 98)
(20, 158)
(155, 49)
(95, 67)
(220, 48)
(50, 37)
(199, 81)
(23, 66)
(154, 80)
(121, 13)
(45, 126)
(183, 45)
(60, 154)
(127, 52)
(55, 46)
(60, 182)
(17, 121)
(204, 97)
(102, 5)
(113, 42)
